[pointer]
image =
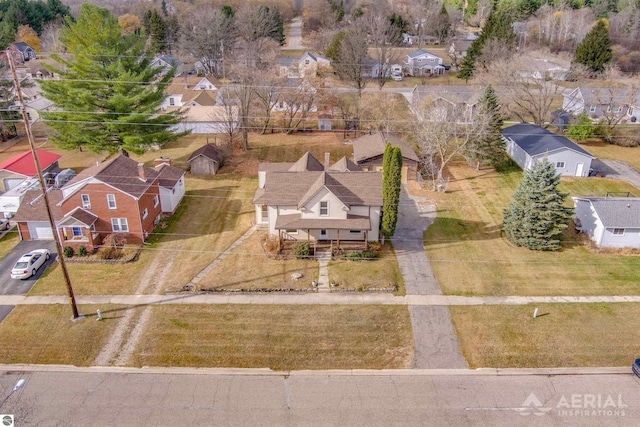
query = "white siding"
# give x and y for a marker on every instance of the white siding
(571, 159)
(170, 198)
(336, 207)
(630, 238)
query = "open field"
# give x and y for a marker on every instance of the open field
(565, 335)
(247, 267)
(277, 337)
(378, 273)
(45, 334)
(470, 257)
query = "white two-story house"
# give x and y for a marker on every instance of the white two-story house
(311, 201)
(423, 63)
(186, 91)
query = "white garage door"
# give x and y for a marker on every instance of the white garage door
(40, 230)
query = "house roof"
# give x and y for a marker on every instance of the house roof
(296, 185)
(606, 95)
(456, 93)
(32, 207)
(23, 164)
(204, 114)
(78, 215)
(344, 165)
(189, 88)
(168, 59)
(369, 146)
(616, 212)
(535, 140)
(168, 175)
(120, 172)
(421, 52)
(209, 151)
(22, 46)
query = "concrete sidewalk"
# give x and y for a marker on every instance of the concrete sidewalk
(355, 298)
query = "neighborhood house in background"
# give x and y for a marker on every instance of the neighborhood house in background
(610, 222)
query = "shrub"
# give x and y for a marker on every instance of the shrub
(376, 247)
(109, 253)
(353, 256)
(68, 251)
(272, 245)
(82, 251)
(302, 250)
(369, 255)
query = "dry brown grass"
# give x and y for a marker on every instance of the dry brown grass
(45, 334)
(8, 242)
(603, 150)
(247, 267)
(469, 256)
(378, 273)
(566, 335)
(277, 337)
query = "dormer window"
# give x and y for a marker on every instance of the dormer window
(592, 109)
(172, 101)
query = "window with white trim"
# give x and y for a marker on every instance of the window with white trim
(111, 201)
(559, 164)
(86, 202)
(324, 208)
(77, 231)
(119, 225)
(155, 201)
(145, 213)
(592, 109)
(618, 231)
(156, 220)
(172, 101)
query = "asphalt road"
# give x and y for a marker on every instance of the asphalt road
(9, 286)
(372, 398)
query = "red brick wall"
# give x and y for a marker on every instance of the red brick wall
(126, 207)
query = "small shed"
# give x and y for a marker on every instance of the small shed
(324, 121)
(206, 160)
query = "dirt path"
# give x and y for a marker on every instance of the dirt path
(123, 341)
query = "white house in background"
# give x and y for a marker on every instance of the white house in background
(616, 104)
(527, 143)
(170, 184)
(423, 63)
(166, 63)
(311, 201)
(204, 119)
(610, 222)
(189, 91)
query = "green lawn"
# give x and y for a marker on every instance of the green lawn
(470, 257)
(277, 337)
(9, 241)
(566, 335)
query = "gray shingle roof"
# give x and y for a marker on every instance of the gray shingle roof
(209, 151)
(168, 175)
(344, 165)
(617, 212)
(535, 140)
(368, 146)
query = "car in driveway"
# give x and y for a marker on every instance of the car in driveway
(29, 263)
(4, 224)
(636, 367)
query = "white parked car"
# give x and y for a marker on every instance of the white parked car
(396, 77)
(4, 224)
(28, 264)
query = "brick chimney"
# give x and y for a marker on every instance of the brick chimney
(161, 161)
(327, 161)
(141, 173)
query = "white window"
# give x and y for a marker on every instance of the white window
(86, 203)
(618, 231)
(592, 109)
(156, 220)
(608, 108)
(559, 164)
(76, 231)
(119, 225)
(145, 213)
(324, 208)
(618, 109)
(111, 201)
(155, 201)
(306, 62)
(172, 101)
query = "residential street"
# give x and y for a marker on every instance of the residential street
(125, 397)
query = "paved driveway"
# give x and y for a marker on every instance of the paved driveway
(435, 341)
(9, 286)
(618, 170)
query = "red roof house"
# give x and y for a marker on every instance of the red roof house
(15, 170)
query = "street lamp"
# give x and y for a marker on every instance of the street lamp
(16, 387)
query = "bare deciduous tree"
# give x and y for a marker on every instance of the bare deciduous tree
(267, 96)
(385, 111)
(381, 34)
(297, 101)
(353, 52)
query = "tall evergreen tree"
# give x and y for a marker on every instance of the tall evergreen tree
(489, 146)
(536, 215)
(391, 185)
(107, 97)
(157, 33)
(595, 49)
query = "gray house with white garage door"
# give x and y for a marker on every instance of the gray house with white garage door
(610, 222)
(527, 143)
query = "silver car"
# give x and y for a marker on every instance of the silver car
(28, 264)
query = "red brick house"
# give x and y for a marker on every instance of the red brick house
(116, 196)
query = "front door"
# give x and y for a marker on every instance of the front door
(323, 235)
(579, 168)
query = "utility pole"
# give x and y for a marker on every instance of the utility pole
(43, 187)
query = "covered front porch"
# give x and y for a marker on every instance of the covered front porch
(77, 229)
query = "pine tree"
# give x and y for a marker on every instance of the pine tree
(107, 97)
(333, 51)
(157, 33)
(595, 49)
(536, 215)
(8, 116)
(391, 185)
(489, 146)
